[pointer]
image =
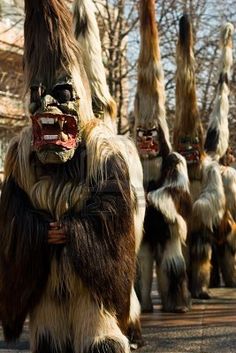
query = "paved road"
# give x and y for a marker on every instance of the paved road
(210, 327)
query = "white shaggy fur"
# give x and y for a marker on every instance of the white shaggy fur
(149, 106)
(111, 143)
(79, 319)
(92, 57)
(229, 181)
(134, 307)
(101, 142)
(130, 154)
(208, 209)
(173, 254)
(162, 200)
(83, 92)
(219, 116)
(149, 111)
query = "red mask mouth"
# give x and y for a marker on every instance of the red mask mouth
(54, 129)
(148, 147)
(192, 155)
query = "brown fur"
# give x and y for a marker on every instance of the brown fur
(24, 254)
(217, 136)
(149, 34)
(224, 252)
(150, 96)
(90, 194)
(200, 277)
(187, 120)
(228, 157)
(98, 240)
(88, 36)
(224, 228)
(163, 234)
(183, 202)
(49, 42)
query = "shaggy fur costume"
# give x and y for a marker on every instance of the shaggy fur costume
(217, 146)
(87, 34)
(206, 184)
(70, 169)
(165, 180)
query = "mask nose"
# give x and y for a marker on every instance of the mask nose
(148, 138)
(48, 101)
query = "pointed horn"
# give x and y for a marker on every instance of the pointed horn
(217, 138)
(87, 33)
(150, 95)
(187, 121)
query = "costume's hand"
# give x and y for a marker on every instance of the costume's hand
(56, 233)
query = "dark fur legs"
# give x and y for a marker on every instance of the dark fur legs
(73, 324)
(215, 279)
(46, 345)
(172, 279)
(200, 279)
(200, 264)
(224, 263)
(228, 266)
(106, 345)
(134, 335)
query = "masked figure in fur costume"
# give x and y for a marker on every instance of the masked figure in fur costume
(165, 180)
(104, 107)
(217, 146)
(205, 178)
(69, 215)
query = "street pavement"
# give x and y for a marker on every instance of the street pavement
(210, 327)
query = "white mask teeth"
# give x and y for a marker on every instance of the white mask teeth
(47, 121)
(50, 137)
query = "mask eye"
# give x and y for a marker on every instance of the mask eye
(153, 133)
(184, 139)
(62, 93)
(140, 133)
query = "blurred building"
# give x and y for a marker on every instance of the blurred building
(12, 113)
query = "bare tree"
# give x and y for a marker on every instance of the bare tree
(120, 38)
(118, 20)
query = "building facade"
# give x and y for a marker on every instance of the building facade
(12, 112)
